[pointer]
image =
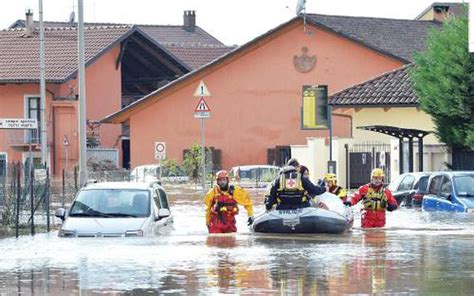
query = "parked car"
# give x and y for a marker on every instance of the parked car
(254, 175)
(450, 191)
(115, 209)
(409, 188)
(146, 173)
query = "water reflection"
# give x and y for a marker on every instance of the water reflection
(416, 253)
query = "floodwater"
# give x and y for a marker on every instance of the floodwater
(416, 253)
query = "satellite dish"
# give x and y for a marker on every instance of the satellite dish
(300, 6)
(71, 18)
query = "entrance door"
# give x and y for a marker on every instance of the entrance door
(65, 138)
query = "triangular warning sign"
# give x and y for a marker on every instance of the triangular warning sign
(202, 106)
(201, 90)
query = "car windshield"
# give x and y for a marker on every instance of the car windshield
(111, 203)
(464, 185)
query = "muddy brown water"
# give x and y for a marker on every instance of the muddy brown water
(416, 253)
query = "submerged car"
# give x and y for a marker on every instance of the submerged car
(409, 188)
(450, 191)
(116, 209)
(251, 176)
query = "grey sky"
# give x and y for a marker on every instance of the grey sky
(231, 21)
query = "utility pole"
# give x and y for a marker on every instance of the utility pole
(82, 98)
(44, 131)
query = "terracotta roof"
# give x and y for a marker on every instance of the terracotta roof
(196, 57)
(19, 55)
(395, 37)
(390, 89)
(193, 47)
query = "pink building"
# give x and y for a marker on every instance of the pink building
(123, 63)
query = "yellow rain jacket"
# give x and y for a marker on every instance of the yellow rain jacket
(241, 196)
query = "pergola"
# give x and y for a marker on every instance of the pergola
(401, 134)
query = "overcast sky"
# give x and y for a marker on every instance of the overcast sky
(231, 21)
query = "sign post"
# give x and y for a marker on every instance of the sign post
(66, 146)
(202, 111)
(160, 154)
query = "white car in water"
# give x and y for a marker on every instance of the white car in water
(116, 209)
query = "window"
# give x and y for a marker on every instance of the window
(33, 111)
(435, 182)
(407, 183)
(3, 165)
(446, 188)
(163, 200)
(464, 185)
(422, 184)
(395, 183)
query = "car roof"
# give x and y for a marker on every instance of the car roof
(455, 173)
(249, 167)
(123, 185)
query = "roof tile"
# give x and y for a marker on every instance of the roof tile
(392, 88)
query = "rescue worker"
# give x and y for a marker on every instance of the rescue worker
(376, 200)
(292, 190)
(222, 205)
(331, 185)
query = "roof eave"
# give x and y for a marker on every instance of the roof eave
(413, 105)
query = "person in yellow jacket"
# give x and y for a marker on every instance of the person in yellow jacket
(331, 185)
(222, 205)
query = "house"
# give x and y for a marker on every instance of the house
(123, 63)
(256, 90)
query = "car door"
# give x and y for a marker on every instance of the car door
(447, 202)
(163, 204)
(431, 199)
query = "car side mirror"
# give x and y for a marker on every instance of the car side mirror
(60, 213)
(163, 213)
(449, 197)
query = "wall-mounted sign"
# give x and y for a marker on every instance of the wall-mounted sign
(18, 123)
(315, 107)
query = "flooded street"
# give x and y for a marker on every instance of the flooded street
(417, 253)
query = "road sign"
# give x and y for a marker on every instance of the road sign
(202, 114)
(201, 90)
(202, 106)
(18, 123)
(160, 150)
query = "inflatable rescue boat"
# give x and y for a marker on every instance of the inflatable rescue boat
(328, 215)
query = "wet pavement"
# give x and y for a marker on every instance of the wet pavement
(416, 253)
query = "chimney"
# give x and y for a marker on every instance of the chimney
(189, 20)
(29, 24)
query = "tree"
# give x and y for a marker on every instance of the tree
(443, 79)
(193, 160)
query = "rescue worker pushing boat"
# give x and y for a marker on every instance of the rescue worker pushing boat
(376, 200)
(222, 205)
(292, 190)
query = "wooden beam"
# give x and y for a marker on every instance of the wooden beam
(123, 47)
(159, 57)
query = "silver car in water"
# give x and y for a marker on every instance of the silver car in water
(116, 209)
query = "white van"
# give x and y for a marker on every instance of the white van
(254, 176)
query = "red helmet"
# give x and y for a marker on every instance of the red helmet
(222, 174)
